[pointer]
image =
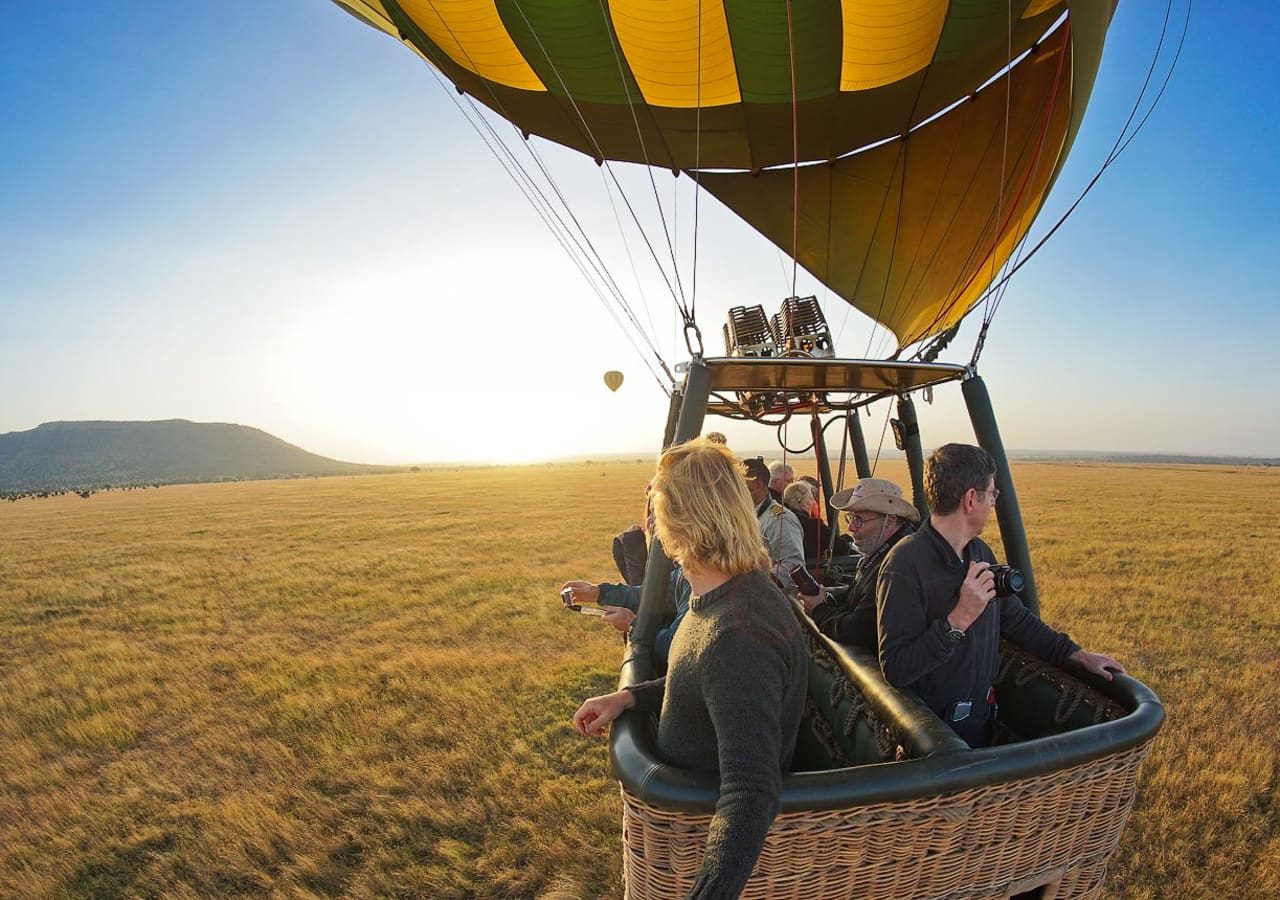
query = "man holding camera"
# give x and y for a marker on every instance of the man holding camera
(939, 612)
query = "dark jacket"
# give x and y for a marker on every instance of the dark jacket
(817, 537)
(919, 585)
(852, 620)
(628, 597)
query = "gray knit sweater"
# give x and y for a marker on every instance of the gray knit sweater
(731, 702)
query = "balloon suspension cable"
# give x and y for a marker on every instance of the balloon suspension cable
(697, 182)
(844, 448)
(593, 258)
(676, 291)
(1004, 74)
(1003, 218)
(884, 430)
(1122, 141)
(1004, 148)
(795, 155)
(587, 263)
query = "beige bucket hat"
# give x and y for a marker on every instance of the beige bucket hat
(876, 495)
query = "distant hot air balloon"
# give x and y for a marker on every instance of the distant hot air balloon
(613, 380)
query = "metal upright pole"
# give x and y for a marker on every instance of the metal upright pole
(915, 455)
(860, 461)
(824, 475)
(638, 665)
(673, 415)
(1013, 534)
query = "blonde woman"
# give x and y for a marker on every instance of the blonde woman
(735, 686)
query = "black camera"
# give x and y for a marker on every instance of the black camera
(1008, 580)
(804, 581)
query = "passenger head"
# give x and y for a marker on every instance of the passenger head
(716, 437)
(874, 510)
(798, 496)
(953, 471)
(703, 512)
(780, 475)
(757, 476)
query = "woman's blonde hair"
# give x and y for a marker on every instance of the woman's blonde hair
(703, 512)
(797, 493)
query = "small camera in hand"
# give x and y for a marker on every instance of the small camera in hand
(1008, 580)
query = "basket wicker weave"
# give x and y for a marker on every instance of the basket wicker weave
(1056, 830)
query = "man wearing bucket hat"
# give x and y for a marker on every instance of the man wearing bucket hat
(878, 517)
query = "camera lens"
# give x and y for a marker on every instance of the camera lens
(1008, 580)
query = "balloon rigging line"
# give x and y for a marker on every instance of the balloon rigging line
(928, 221)
(1182, 39)
(551, 181)
(599, 264)
(559, 230)
(1005, 72)
(644, 150)
(795, 154)
(960, 281)
(1004, 152)
(899, 161)
(600, 156)
(884, 429)
(992, 298)
(677, 293)
(844, 452)
(604, 272)
(958, 287)
(635, 272)
(897, 233)
(697, 179)
(1122, 141)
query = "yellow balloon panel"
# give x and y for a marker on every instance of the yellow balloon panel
(678, 51)
(887, 40)
(474, 37)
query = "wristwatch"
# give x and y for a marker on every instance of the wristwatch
(954, 634)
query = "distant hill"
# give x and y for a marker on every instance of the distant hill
(65, 455)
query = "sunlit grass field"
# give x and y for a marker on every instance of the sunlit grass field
(362, 686)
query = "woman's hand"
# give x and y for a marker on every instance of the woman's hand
(598, 712)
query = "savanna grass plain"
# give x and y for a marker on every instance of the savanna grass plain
(361, 687)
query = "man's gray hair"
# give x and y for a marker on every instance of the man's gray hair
(777, 468)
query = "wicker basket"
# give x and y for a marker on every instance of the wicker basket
(1055, 831)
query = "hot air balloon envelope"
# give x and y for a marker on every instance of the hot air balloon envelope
(613, 380)
(899, 152)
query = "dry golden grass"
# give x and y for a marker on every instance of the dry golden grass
(361, 687)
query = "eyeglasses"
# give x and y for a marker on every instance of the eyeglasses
(994, 492)
(857, 521)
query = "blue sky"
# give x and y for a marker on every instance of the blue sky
(273, 215)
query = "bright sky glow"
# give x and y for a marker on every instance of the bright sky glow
(271, 214)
